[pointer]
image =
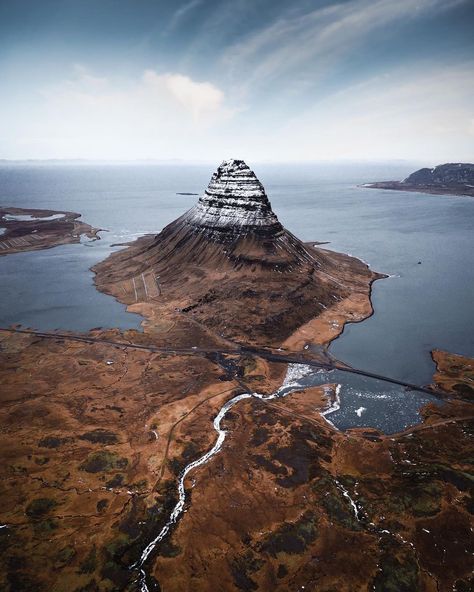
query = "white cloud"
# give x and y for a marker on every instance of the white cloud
(424, 113)
(155, 115)
(201, 99)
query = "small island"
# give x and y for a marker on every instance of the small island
(445, 179)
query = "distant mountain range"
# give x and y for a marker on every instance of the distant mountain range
(452, 178)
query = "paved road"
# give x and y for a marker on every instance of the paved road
(278, 356)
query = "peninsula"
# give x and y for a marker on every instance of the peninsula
(444, 179)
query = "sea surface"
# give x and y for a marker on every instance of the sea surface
(423, 242)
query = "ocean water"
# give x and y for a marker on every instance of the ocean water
(424, 242)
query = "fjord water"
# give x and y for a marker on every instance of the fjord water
(424, 242)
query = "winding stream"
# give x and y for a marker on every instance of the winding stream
(179, 507)
(290, 384)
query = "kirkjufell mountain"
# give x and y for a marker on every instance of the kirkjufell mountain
(232, 225)
(226, 260)
(234, 204)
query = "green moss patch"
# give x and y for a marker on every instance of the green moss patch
(100, 436)
(397, 575)
(302, 456)
(167, 549)
(89, 565)
(53, 442)
(242, 568)
(103, 461)
(338, 511)
(39, 507)
(45, 527)
(292, 537)
(65, 555)
(421, 500)
(117, 546)
(116, 481)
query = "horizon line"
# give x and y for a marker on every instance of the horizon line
(185, 161)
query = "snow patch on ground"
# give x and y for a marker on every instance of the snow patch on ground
(334, 406)
(29, 217)
(295, 373)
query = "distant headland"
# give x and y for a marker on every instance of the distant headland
(445, 179)
(23, 229)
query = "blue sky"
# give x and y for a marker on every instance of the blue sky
(258, 79)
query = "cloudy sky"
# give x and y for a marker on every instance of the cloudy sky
(257, 79)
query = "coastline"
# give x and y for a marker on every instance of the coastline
(164, 319)
(330, 325)
(454, 374)
(458, 191)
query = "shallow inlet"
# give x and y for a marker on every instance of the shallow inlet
(368, 402)
(29, 217)
(54, 289)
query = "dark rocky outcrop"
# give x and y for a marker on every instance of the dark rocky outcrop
(443, 175)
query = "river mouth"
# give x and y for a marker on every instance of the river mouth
(365, 402)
